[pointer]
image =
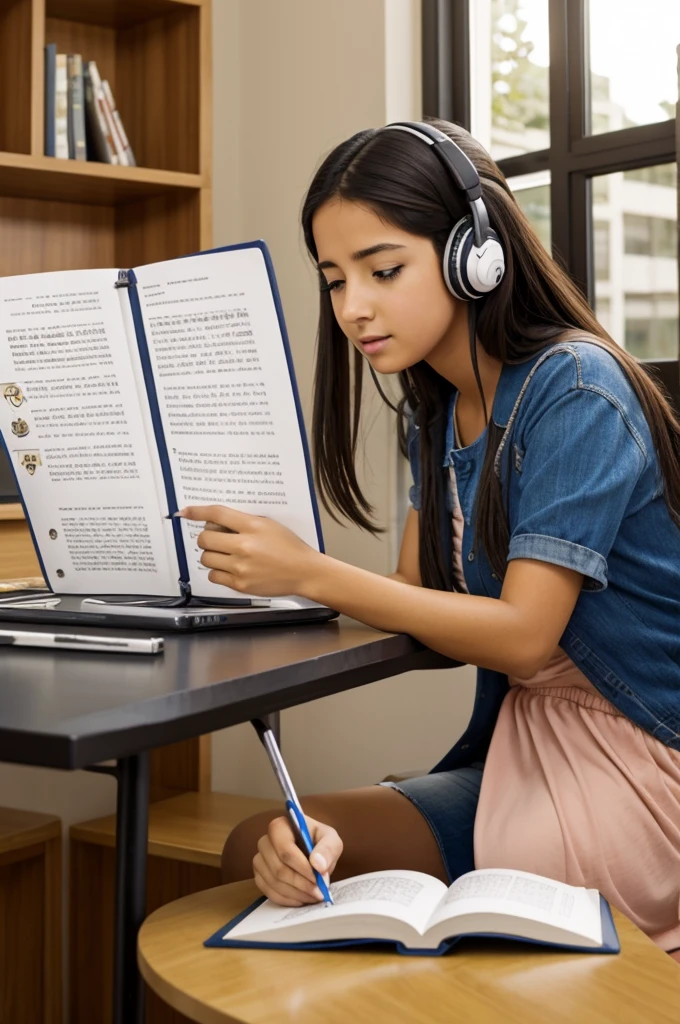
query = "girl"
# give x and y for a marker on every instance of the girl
(543, 542)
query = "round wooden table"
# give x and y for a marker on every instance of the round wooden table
(481, 983)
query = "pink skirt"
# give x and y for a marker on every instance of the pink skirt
(573, 790)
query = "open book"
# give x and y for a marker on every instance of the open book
(125, 395)
(422, 916)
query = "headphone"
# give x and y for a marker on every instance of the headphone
(473, 262)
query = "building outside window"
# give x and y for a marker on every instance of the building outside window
(632, 214)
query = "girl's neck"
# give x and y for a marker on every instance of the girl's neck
(452, 360)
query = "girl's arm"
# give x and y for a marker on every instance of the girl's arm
(408, 569)
(516, 634)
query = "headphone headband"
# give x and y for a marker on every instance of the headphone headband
(462, 168)
(466, 278)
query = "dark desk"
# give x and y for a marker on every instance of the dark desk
(66, 709)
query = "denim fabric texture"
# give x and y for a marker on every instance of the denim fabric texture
(448, 802)
(584, 490)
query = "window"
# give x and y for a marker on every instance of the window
(648, 236)
(520, 100)
(601, 246)
(536, 204)
(532, 192)
(633, 79)
(635, 261)
(651, 325)
(576, 102)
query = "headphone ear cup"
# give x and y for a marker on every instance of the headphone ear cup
(455, 260)
(485, 265)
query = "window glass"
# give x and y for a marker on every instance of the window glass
(509, 56)
(633, 63)
(532, 192)
(634, 234)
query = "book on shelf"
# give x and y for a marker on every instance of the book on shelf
(82, 121)
(123, 147)
(127, 394)
(61, 107)
(50, 99)
(419, 915)
(106, 143)
(76, 108)
(100, 145)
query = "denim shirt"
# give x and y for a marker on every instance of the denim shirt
(583, 487)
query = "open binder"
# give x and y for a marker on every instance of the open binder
(175, 382)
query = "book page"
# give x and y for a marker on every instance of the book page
(225, 394)
(77, 437)
(520, 894)
(407, 896)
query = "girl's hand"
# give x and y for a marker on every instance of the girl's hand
(252, 554)
(282, 871)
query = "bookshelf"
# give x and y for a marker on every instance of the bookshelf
(66, 214)
(60, 214)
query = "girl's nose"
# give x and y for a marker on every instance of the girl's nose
(356, 302)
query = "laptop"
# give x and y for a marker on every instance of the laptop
(42, 606)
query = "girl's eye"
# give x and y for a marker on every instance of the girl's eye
(388, 275)
(381, 275)
(330, 286)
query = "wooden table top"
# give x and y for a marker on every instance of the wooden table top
(484, 982)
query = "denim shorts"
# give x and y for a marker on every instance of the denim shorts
(448, 802)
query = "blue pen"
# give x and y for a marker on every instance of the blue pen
(292, 803)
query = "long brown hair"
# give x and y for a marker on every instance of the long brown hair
(395, 174)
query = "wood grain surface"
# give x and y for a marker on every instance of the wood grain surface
(483, 982)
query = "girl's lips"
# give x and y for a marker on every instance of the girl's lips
(376, 345)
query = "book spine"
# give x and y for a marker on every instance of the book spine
(117, 120)
(50, 86)
(115, 134)
(130, 283)
(61, 107)
(69, 117)
(77, 108)
(96, 141)
(112, 155)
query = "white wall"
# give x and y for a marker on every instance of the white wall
(293, 79)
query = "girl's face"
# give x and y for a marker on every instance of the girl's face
(386, 287)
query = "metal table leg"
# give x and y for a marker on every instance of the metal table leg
(132, 830)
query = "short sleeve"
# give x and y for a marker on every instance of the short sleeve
(413, 449)
(576, 468)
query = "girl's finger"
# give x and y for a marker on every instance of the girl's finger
(327, 848)
(225, 579)
(216, 560)
(280, 872)
(272, 895)
(227, 543)
(281, 837)
(282, 888)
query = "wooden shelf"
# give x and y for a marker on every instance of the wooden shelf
(114, 13)
(13, 511)
(45, 177)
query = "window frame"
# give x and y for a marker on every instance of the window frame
(573, 156)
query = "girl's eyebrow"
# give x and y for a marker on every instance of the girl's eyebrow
(362, 254)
